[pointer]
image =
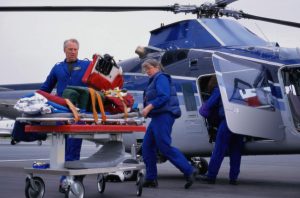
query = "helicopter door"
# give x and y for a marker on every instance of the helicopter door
(246, 94)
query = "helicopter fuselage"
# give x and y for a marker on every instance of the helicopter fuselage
(246, 67)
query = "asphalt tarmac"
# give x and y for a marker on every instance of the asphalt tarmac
(261, 176)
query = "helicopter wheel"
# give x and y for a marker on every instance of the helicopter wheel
(34, 187)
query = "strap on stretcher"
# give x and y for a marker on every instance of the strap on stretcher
(73, 110)
(94, 95)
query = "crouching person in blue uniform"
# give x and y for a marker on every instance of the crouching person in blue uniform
(162, 106)
(68, 73)
(226, 141)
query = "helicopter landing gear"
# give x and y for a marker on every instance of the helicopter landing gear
(131, 175)
(201, 164)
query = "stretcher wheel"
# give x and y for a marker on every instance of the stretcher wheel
(139, 184)
(76, 190)
(101, 183)
(34, 187)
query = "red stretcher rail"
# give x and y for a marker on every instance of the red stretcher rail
(86, 129)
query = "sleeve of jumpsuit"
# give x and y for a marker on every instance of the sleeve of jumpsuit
(163, 91)
(50, 82)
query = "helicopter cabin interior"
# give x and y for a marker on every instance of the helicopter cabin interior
(291, 82)
(206, 85)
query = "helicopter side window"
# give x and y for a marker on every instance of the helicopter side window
(263, 85)
(240, 88)
(189, 97)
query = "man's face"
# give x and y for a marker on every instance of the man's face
(71, 51)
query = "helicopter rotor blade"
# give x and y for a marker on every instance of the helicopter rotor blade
(176, 8)
(85, 8)
(205, 10)
(224, 3)
(277, 21)
(241, 14)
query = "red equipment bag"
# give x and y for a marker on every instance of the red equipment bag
(118, 101)
(116, 105)
(103, 73)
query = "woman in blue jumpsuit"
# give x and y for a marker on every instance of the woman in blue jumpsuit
(162, 106)
(226, 141)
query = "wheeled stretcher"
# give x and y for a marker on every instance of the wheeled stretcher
(110, 158)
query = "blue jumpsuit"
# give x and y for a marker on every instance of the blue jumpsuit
(61, 77)
(163, 97)
(226, 141)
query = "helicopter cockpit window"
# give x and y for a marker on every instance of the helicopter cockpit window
(232, 34)
(289, 53)
(173, 56)
(249, 85)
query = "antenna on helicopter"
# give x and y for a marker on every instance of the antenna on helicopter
(206, 10)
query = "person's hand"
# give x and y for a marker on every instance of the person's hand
(147, 109)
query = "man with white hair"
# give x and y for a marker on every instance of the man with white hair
(68, 72)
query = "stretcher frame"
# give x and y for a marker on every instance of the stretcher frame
(35, 186)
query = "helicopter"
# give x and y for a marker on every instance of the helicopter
(258, 82)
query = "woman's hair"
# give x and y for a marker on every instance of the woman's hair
(153, 63)
(212, 83)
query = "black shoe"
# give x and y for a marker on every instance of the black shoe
(233, 182)
(208, 180)
(150, 183)
(14, 142)
(190, 179)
